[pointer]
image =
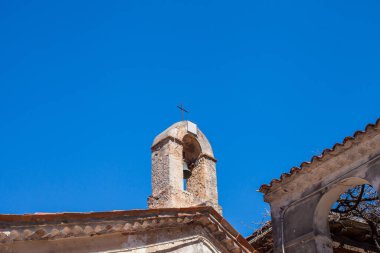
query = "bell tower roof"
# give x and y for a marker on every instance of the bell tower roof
(178, 130)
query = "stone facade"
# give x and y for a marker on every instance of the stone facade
(183, 145)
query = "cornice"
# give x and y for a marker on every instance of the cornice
(34, 227)
(338, 149)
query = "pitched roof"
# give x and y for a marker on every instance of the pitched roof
(325, 155)
(262, 238)
(52, 226)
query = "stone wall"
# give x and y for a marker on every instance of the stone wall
(171, 150)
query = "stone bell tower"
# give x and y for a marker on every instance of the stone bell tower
(183, 169)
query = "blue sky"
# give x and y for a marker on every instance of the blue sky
(85, 86)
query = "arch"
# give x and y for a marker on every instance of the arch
(178, 131)
(191, 152)
(320, 220)
(191, 149)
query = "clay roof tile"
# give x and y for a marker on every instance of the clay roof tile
(346, 143)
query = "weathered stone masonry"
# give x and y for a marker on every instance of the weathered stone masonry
(176, 147)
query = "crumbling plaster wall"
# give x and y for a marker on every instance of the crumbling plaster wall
(300, 205)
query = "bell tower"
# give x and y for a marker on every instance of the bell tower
(183, 169)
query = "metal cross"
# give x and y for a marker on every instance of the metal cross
(183, 110)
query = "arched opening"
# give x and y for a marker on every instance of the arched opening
(354, 219)
(348, 215)
(191, 152)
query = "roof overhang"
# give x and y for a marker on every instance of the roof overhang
(370, 131)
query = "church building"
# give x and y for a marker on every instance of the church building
(183, 216)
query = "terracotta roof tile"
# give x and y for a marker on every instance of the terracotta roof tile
(337, 148)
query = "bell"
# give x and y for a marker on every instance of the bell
(186, 171)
